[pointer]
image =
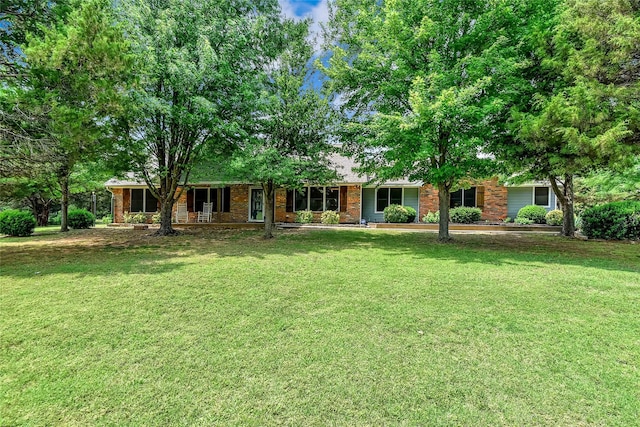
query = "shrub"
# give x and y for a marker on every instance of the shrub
(107, 219)
(395, 214)
(464, 215)
(431, 217)
(411, 213)
(522, 221)
(138, 218)
(617, 220)
(80, 218)
(535, 213)
(304, 217)
(554, 217)
(507, 220)
(17, 223)
(156, 218)
(330, 217)
(55, 219)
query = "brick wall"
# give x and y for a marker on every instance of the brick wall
(118, 204)
(495, 200)
(351, 216)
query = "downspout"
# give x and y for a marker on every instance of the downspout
(113, 207)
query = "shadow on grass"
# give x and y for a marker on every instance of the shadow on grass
(100, 252)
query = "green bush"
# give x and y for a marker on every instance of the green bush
(304, 217)
(107, 219)
(554, 217)
(431, 217)
(617, 220)
(535, 213)
(330, 217)
(464, 215)
(55, 219)
(411, 213)
(395, 214)
(17, 223)
(156, 218)
(522, 221)
(138, 218)
(507, 220)
(80, 218)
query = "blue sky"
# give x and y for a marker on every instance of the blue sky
(314, 9)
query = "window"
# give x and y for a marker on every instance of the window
(216, 196)
(317, 199)
(541, 196)
(388, 196)
(463, 197)
(143, 201)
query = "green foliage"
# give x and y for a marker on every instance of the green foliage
(330, 217)
(522, 221)
(107, 219)
(411, 214)
(55, 219)
(304, 217)
(508, 220)
(431, 217)
(81, 218)
(554, 217)
(616, 220)
(138, 218)
(423, 85)
(463, 215)
(17, 223)
(200, 68)
(535, 213)
(156, 218)
(395, 214)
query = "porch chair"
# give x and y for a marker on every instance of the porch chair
(182, 213)
(205, 214)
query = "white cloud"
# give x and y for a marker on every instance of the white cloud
(319, 14)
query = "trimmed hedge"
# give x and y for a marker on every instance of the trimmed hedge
(399, 214)
(617, 220)
(80, 218)
(17, 223)
(464, 215)
(535, 213)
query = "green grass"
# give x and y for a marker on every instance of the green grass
(113, 327)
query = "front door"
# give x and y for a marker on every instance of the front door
(256, 205)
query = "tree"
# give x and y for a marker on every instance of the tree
(199, 64)
(289, 144)
(60, 115)
(586, 115)
(424, 86)
(19, 18)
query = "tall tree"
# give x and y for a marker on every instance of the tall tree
(424, 85)
(60, 114)
(585, 115)
(199, 64)
(289, 144)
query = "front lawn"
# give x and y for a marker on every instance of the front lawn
(114, 327)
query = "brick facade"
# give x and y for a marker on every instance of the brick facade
(495, 200)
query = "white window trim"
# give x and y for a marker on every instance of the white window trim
(324, 197)
(375, 200)
(219, 195)
(144, 201)
(533, 196)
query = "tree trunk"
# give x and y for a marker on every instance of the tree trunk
(565, 197)
(64, 203)
(40, 208)
(166, 209)
(443, 202)
(269, 191)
